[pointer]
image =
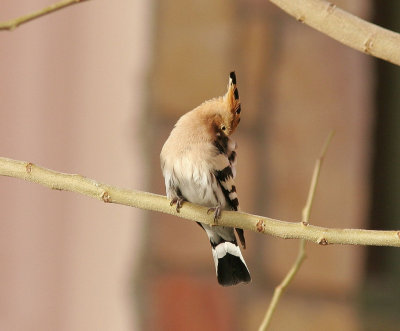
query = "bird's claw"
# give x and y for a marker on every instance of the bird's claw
(217, 213)
(178, 201)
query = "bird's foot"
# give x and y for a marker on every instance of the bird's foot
(217, 213)
(178, 201)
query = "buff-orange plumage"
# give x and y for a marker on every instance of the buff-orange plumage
(198, 163)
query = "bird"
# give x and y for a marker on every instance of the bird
(198, 164)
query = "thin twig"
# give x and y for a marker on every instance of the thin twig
(344, 27)
(301, 256)
(14, 23)
(159, 203)
(314, 181)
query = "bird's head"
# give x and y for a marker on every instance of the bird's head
(226, 110)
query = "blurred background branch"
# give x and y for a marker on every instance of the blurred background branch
(344, 27)
(144, 200)
(14, 23)
(301, 256)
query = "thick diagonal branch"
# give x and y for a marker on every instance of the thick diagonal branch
(344, 27)
(159, 203)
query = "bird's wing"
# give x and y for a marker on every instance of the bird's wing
(224, 171)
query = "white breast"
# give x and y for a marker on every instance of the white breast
(195, 179)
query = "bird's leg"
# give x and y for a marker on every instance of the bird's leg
(217, 213)
(178, 201)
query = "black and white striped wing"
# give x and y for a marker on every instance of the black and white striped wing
(225, 173)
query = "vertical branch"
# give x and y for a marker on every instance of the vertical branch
(283, 285)
(301, 256)
(314, 180)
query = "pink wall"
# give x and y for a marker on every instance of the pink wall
(71, 95)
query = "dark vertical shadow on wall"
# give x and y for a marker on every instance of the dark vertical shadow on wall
(382, 291)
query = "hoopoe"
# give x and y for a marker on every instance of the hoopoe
(198, 163)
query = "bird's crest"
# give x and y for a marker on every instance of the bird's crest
(232, 100)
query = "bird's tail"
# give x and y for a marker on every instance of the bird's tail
(229, 264)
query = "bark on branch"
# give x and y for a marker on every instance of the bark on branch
(344, 27)
(144, 200)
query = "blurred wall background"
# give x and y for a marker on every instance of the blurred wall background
(71, 99)
(96, 88)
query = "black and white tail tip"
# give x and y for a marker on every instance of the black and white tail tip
(229, 264)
